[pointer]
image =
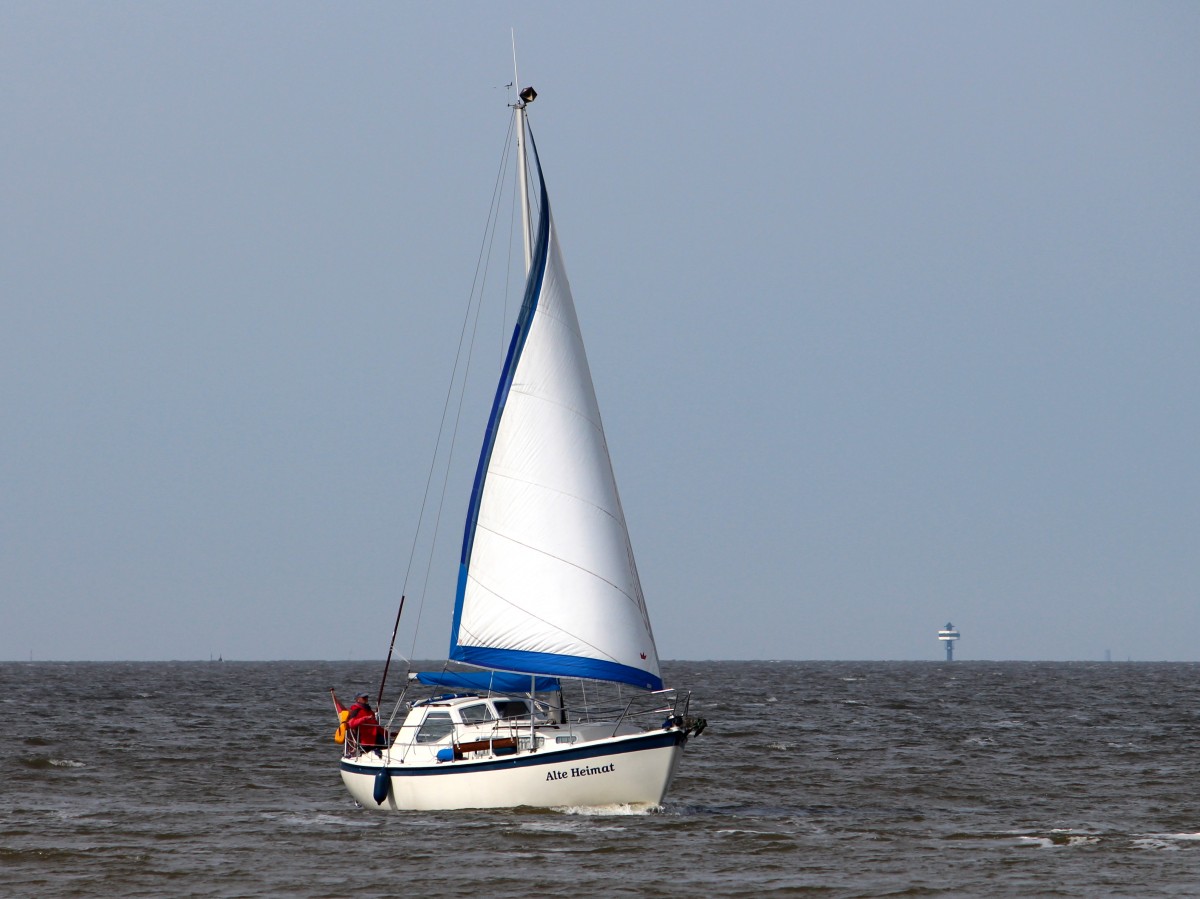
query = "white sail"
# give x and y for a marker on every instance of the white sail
(548, 582)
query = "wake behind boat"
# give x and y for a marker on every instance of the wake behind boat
(557, 697)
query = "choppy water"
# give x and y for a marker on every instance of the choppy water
(823, 779)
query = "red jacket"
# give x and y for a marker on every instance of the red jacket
(363, 724)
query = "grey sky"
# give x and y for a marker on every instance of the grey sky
(891, 308)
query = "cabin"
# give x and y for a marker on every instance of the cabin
(455, 727)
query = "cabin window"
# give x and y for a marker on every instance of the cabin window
(512, 708)
(477, 714)
(435, 727)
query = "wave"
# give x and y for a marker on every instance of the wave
(44, 763)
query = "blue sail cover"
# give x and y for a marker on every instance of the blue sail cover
(547, 581)
(487, 681)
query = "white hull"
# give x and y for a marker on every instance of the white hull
(627, 770)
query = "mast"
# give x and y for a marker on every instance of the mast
(527, 96)
(524, 98)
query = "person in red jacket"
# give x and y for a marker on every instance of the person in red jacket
(363, 724)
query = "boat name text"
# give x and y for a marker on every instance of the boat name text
(580, 772)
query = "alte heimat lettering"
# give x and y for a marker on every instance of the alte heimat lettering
(581, 772)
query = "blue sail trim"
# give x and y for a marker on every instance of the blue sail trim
(554, 665)
(533, 290)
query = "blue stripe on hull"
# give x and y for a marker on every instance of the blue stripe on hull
(656, 740)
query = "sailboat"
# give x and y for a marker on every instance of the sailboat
(556, 697)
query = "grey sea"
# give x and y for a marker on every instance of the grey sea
(828, 779)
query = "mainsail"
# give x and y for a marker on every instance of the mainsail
(547, 582)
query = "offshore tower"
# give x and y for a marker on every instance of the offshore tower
(948, 635)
